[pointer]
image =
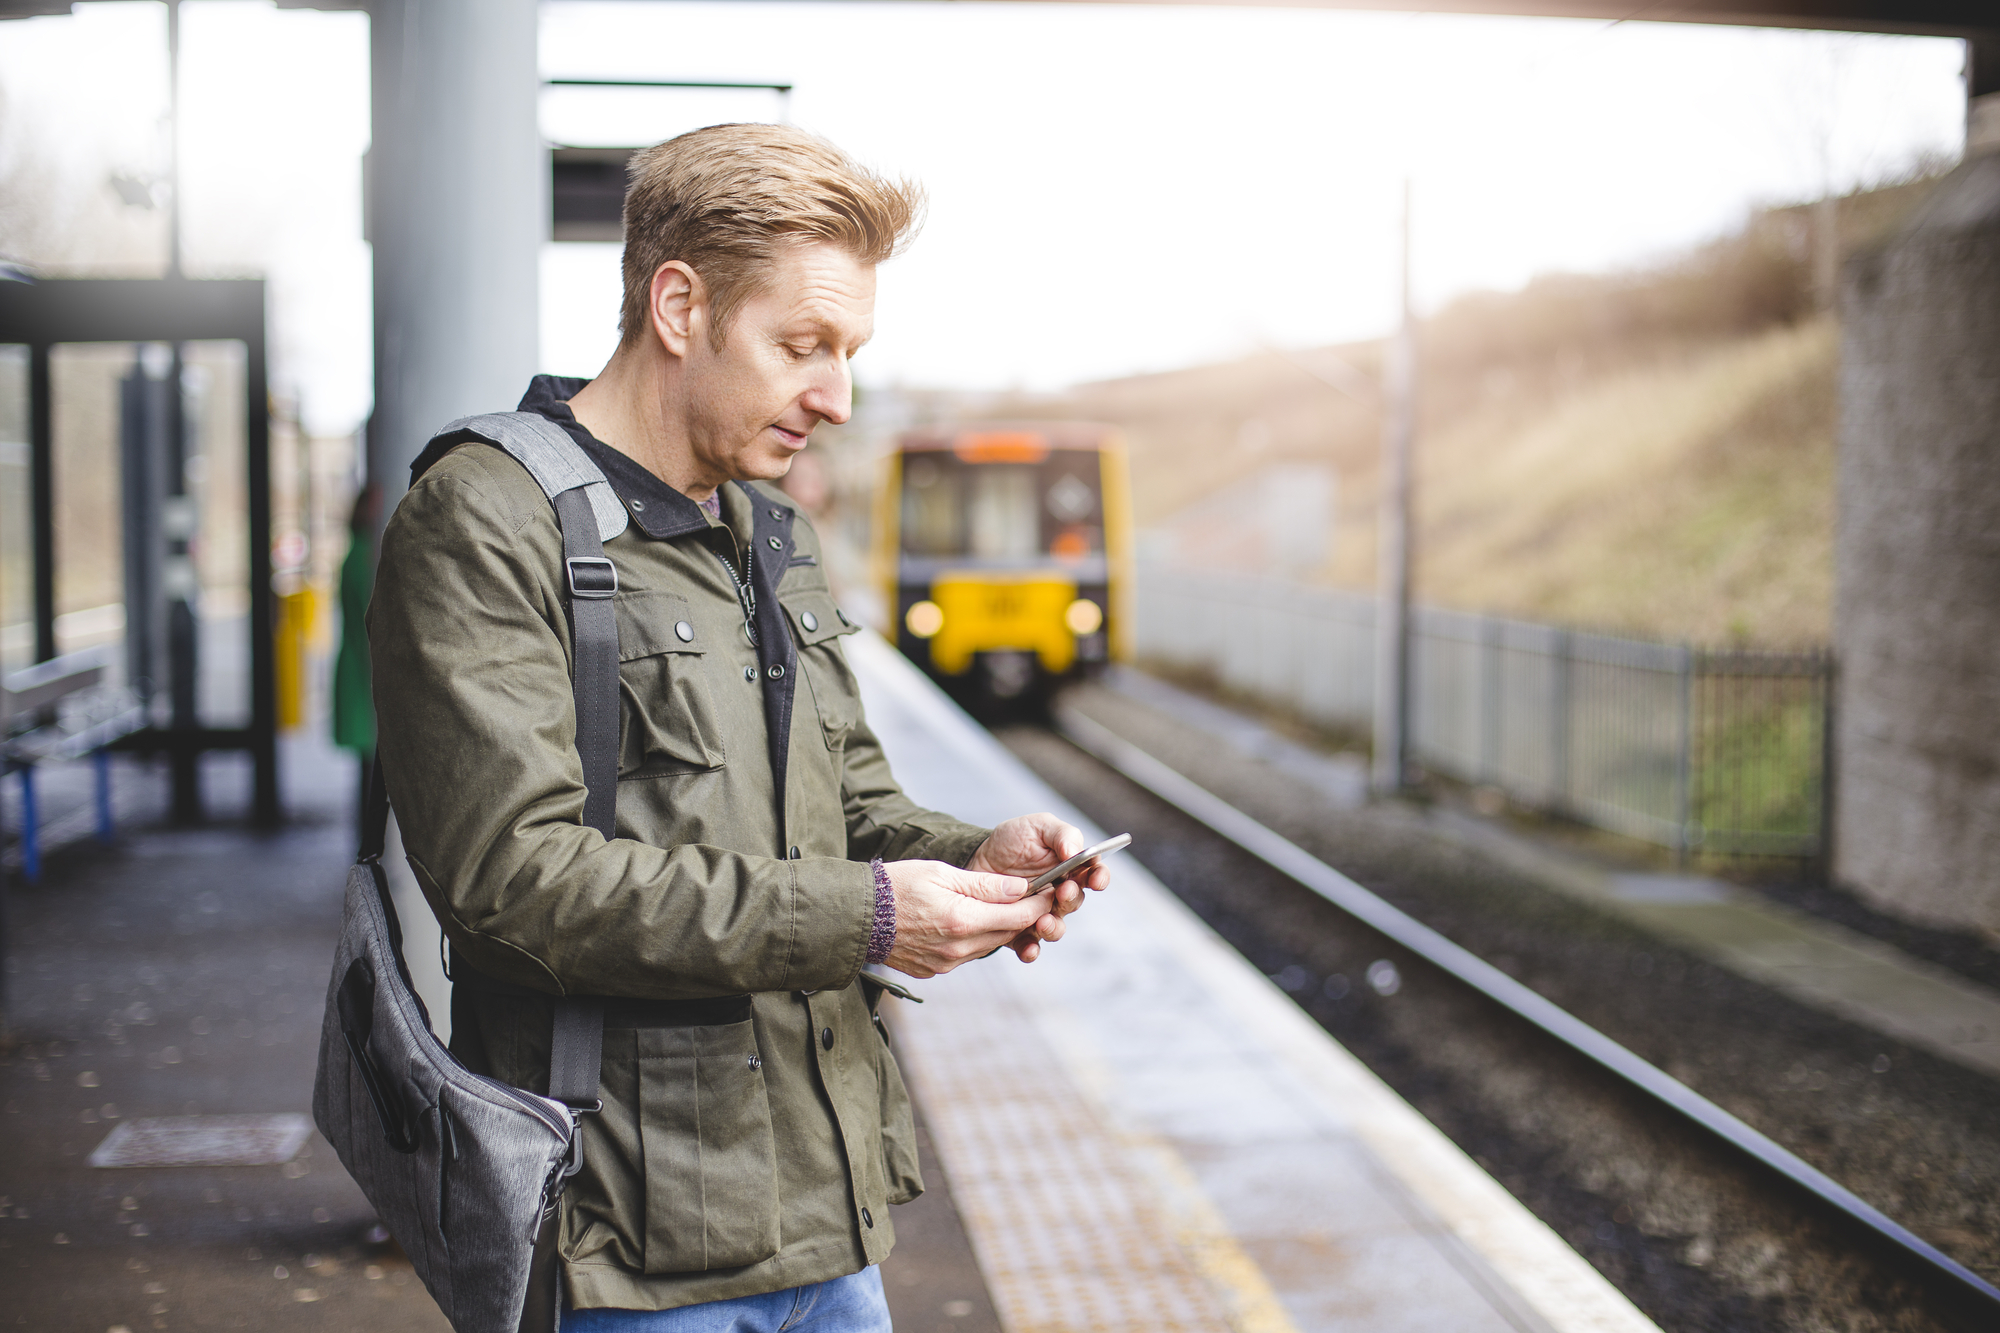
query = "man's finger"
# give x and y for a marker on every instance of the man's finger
(987, 888)
(1010, 917)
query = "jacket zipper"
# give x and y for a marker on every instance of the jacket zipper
(746, 592)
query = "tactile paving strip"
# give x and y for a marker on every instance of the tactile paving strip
(1070, 1234)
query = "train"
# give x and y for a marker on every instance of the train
(1003, 552)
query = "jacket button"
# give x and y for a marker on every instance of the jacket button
(867, 1219)
(778, 514)
(826, 1038)
(776, 671)
(684, 631)
(809, 620)
(774, 543)
(749, 673)
(756, 1061)
(638, 506)
(795, 853)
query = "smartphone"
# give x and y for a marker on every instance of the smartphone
(1056, 874)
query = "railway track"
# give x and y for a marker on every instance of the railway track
(1650, 1152)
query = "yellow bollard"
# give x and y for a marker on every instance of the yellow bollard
(296, 616)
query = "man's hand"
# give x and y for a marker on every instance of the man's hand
(945, 916)
(1028, 845)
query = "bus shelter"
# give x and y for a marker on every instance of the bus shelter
(132, 511)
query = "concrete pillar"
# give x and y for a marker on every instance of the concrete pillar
(457, 209)
(1917, 560)
(457, 204)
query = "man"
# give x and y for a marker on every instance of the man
(754, 1127)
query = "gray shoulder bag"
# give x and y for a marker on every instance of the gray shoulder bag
(466, 1172)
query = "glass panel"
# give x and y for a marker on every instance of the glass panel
(116, 484)
(17, 536)
(84, 382)
(213, 384)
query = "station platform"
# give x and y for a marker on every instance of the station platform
(1137, 1132)
(1142, 1132)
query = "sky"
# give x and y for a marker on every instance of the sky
(1113, 189)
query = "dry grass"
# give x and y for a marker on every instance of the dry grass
(1650, 452)
(1692, 497)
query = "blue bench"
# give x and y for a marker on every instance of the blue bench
(62, 709)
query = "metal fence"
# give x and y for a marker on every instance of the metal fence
(1694, 749)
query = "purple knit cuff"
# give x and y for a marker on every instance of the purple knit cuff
(882, 937)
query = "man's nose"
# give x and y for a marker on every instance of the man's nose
(831, 397)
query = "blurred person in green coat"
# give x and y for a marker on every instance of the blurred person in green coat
(353, 690)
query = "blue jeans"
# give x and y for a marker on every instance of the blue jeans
(851, 1304)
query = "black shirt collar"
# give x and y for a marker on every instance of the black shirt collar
(658, 509)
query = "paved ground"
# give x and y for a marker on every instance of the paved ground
(182, 972)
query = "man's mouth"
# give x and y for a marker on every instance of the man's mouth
(791, 438)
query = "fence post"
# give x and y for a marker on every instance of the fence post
(1829, 701)
(1489, 699)
(1684, 832)
(1559, 724)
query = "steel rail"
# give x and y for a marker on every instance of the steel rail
(1289, 859)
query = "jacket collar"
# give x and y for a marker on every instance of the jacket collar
(658, 509)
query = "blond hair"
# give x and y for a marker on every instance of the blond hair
(722, 200)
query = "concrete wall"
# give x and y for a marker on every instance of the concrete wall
(1917, 563)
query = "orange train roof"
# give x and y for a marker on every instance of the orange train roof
(1009, 441)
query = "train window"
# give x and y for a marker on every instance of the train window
(1006, 512)
(1070, 499)
(1003, 522)
(1072, 520)
(933, 516)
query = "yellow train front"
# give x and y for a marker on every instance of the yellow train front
(1004, 553)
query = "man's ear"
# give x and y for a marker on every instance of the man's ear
(679, 305)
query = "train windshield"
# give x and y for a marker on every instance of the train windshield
(1003, 512)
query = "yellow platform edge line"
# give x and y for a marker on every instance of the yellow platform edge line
(1252, 1304)
(1522, 1250)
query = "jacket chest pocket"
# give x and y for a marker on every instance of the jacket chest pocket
(667, 721)
(711, 1162)
(817, 627)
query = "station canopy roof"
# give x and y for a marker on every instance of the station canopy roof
(1936, 18)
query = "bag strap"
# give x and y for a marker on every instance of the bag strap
(576, 1045)
(588, 514)
(591, 581)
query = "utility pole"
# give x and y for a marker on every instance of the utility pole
(1392, 613)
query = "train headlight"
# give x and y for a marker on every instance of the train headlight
(924, 619)
(1083, 617)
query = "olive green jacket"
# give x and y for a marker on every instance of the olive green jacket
(730, 1158)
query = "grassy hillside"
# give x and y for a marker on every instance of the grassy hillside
(1650, 452)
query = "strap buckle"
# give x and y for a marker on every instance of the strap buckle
(592, 577)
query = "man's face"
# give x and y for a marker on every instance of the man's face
(783, 368)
